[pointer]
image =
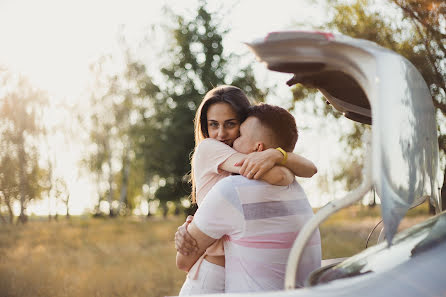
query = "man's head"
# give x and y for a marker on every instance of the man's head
(267, 126)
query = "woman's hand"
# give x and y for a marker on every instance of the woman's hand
(258, 163)
(184, 243)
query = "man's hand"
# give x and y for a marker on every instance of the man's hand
(257, 164)
(184, 243)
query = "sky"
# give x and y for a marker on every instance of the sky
(54, 42)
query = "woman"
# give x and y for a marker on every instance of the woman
(217, 124)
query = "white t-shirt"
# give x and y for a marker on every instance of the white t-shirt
(260, 222)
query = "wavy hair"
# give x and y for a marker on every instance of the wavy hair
(231, 95)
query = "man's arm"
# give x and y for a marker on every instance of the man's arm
(256, 164)
(186, 262)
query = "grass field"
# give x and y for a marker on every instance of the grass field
(128, 256)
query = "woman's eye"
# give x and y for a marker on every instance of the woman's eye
(213, 125)
(231, 125)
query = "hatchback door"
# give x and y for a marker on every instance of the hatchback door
(372, 85)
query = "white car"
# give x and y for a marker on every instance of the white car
(376, 86)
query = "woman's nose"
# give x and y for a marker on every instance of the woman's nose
(222, 133)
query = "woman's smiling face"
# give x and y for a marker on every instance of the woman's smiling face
(222, 123)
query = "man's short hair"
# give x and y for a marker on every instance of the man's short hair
(280, 121)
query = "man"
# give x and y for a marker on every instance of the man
(259, 221)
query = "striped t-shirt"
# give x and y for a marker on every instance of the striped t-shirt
(260, 222)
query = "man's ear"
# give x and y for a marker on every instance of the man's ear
(260, 146)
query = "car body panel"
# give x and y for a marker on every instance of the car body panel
(379, 258)
(369, 83)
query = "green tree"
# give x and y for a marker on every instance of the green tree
(116, 102)
(62, 193)
(197, 63)
(101, 123)
(9, 183)
(21, 108)
(413, 28)
(131, 181)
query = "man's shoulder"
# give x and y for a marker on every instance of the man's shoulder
(297, 188)
(225, 191)
(235, 181)
(229, 182)
(239, 180)
(236, 185)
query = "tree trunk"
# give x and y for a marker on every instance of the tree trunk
(372, 204)
(148, 196)
(7, 202)
(67, 201)
(177, 210)
(50, 186)
(49, 208)
(3, 219)
(22, 217)
(125, 181)
(23, 182)
(97, 207)
(165, 210)
(11, 213)
(149, 214)
(443, 192)
(110, 186)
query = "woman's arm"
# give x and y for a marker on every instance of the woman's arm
(212, 155)
(258, 163)
(184, 243)
(185, 262)
(274, 175)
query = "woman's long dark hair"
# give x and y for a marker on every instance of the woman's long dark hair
(231, 95)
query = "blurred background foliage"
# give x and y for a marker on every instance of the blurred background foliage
(140, 119)
(416, 29)
(139, 138)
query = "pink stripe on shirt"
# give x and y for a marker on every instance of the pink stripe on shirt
(268, 241)
(272, 241)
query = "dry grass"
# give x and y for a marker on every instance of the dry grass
(345, 233)
(124, 256)
(121, 257)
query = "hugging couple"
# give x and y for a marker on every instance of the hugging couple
(250, 207)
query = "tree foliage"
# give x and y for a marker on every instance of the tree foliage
(413, 28)
(142, 133)
(197, 63)
(21, 177)
(114, 112)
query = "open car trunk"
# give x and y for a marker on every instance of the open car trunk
(369, 84)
